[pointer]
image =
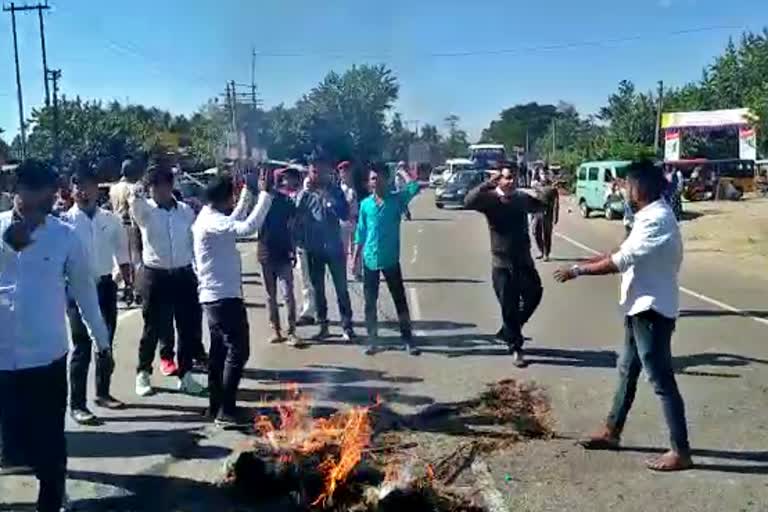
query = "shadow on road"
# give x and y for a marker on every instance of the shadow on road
(179, 443)
(761, 457)
(442, 280)
(721, 312)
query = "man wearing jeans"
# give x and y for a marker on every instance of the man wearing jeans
(378, 238)
(320, 208)
(277, 255)
(649, 262)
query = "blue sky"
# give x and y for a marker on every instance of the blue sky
(175, 54)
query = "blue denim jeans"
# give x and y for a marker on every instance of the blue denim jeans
(336, 265)
(647, 345)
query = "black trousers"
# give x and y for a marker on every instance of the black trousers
(543, 225)
(394, 278)
(33, 403)
(80, 360)
(170, 295)
(518, 290)
(230, 349)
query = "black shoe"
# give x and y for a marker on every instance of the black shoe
(82, 416)
(323, 334)
(237, 420)
(109, 402)
(304, 321)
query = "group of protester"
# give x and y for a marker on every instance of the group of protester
(190, 264)
(180, 264)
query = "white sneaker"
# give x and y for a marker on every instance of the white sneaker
(190, 386)
(143, 384)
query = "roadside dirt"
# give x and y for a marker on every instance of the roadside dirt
(733, 234)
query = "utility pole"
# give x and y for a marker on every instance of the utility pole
(554, 138)
(234, 106)
(659, 108)
(253, 76)
(39, 7)
(19, 95)
(55, 76)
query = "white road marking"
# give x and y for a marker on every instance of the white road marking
(687, 291)
(415, 254)
(492, 496)
(415, 307)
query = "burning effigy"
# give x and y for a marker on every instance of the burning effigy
(346, 462)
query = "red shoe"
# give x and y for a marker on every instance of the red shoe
(168, 367)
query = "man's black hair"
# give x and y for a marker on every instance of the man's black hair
(648, 177)
(85, 175)
(35, 174)
(379, 168)
(219, 189)
(158, 174)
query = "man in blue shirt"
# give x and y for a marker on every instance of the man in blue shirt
(320, 208)
(378, 239)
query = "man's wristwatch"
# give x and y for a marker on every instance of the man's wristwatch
(576, 271)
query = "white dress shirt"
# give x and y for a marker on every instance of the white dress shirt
(103, 237)
(217, 260)
(33, 297)
(649, 261)
(166, 235)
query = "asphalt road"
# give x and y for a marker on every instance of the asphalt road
(160, 455)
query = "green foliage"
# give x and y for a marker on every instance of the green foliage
(510, 129)
(456, 144)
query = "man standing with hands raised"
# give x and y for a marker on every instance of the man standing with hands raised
(219, 268)
(514, 275)
(320, 209)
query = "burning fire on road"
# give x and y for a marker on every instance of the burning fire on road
(332, 463)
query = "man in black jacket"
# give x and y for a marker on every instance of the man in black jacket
(515, 280)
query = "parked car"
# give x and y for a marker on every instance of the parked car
(456, 187)
(597, 188)
(436, 176)
(454, 165)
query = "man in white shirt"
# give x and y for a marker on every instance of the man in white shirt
(649, 262)
(40, 259)
(218, 264)
(169, 284)
(106, 244)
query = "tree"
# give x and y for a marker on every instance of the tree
(631, 115)
(517, 122)
(456, 143)
(400, 139)
(430, 135)
(5, 149)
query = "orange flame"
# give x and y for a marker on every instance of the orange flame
(298, 432)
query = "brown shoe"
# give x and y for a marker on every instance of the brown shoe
(670, 461)
(276, 337)
(604, 439)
